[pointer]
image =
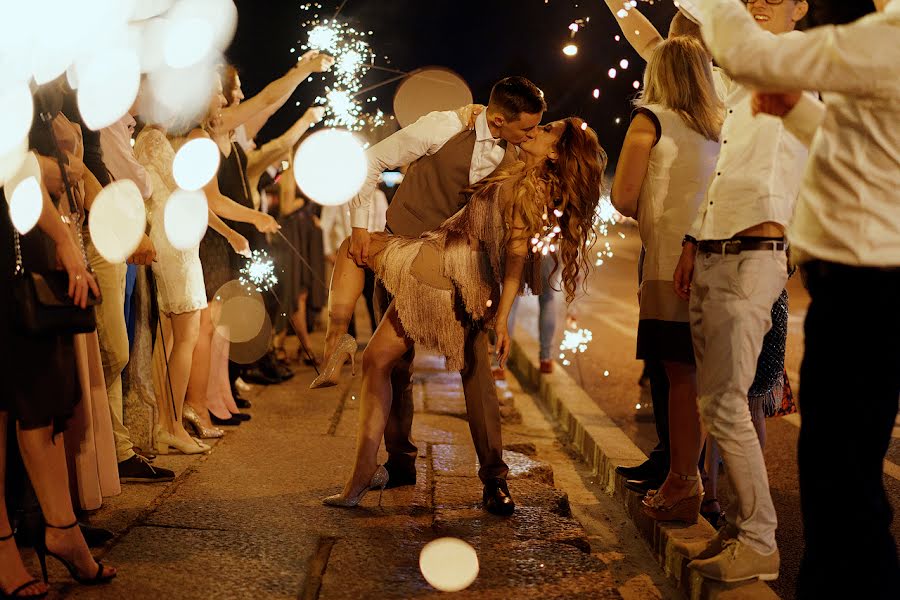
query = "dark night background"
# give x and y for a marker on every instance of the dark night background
(482, 41)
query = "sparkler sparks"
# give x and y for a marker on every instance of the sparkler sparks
(574, 341)
(353, 59)
(259, 272)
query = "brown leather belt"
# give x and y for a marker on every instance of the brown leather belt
(738, 245)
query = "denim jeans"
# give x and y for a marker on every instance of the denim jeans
(547, 314)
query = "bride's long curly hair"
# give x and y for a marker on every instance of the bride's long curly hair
(557, 202)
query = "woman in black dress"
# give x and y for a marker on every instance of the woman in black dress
(41, 384)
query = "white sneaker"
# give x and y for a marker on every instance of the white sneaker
(738, 562)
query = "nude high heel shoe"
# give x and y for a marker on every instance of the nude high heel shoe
(331, 372)
(166, 441)
(378, 482)
(687, 509)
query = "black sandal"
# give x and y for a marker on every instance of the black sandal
(17, 593)
(43, 553)
(712, 516)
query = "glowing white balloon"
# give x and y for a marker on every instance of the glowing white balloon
(187, 42)
(26, 204)
(107, 86)
(117, 220)
(181, 95)
(219, 15)
(330, 166)
(11, 160)
(449, 564)
(196, 163)
(185, 218)
(16, 113)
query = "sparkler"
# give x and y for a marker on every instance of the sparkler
(574, 341)
(344, 106)
(259, 272)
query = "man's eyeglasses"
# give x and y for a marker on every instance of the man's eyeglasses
(772, 2)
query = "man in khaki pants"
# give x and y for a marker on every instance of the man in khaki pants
(119, 158)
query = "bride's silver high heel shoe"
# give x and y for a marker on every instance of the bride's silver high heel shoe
(331, 372)
(379, 481)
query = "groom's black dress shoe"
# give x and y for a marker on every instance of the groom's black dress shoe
(399, 476)
(496, 498)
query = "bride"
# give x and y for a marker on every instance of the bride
(467, 271)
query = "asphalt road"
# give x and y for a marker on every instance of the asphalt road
(608, 371)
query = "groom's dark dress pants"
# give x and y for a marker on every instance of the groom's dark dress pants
(482, 405)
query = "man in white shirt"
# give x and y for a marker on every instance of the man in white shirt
(846, 234)
(444, 158)
(118, 155)
(733, 268)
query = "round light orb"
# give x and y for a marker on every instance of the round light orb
(185, 218)
(11, 160)
(570, 49)
(330, 167)
(196, 163)
(178, 96)
(25, 205)
(449, 564)
(218, 19)
(241, 313)
(107, 86)
(117, 220)
(16, 113)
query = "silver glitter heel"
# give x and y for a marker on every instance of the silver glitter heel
(379, 481)
(331, 372)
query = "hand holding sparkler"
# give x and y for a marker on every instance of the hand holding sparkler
(313, 115)
(317, 62)
(239, 243)
(265, 223)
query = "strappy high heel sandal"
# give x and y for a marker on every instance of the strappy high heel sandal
(378, 482)
(345, 348)
(17, 593)
(687, 509)
(42, 554)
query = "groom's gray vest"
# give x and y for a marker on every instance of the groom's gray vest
(431, 191)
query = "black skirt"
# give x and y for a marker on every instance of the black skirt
(665, 341)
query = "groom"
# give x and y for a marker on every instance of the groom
(445, 157)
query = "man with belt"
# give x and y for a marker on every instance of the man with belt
(733, 268)
(846, 236)
(445, 157)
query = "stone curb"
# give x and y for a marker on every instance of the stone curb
(603, 446)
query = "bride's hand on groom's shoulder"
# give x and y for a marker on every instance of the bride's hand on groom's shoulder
(467, 114)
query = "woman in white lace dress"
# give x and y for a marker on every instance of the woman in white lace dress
(179, 279)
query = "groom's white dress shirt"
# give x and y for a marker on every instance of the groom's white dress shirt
(424, 137)
(849, 206)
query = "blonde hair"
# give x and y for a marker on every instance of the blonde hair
(679, 77)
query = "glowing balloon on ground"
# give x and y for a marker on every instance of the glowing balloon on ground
(108, 85)
(449, 564)
(185, 218)
(196, 163)
(117, 220)
(330, 167)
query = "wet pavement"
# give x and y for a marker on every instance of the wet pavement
(246, 521)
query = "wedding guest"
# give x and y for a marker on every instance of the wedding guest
(846, 236)
(118, 155)
(733, 268)
(666, 163)
(41, 395)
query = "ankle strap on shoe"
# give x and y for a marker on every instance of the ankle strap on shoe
(686, 477)
(73, 525)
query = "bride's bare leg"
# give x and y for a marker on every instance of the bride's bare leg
(347, 282)
(387, 346)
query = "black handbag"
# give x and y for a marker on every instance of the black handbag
(42, 303)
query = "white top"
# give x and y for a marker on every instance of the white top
(759, 172)
(335, 222)
(680, 168)
(424, 137)
(118, 155)
(849, 207)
